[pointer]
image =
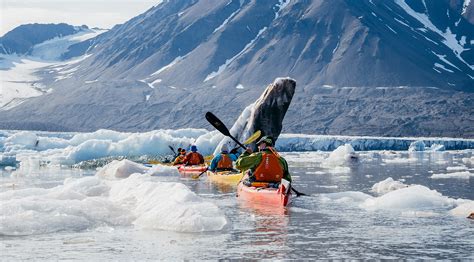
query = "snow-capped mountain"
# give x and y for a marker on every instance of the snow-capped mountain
(23, 38)
(168, 66)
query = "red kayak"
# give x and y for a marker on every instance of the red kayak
(280, 196)
(191, 169)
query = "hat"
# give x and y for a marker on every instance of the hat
(224, 148)
(194, 148)
(267, 140)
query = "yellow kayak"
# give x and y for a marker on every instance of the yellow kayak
(228, 177)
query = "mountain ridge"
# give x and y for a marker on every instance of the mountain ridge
(182, 58)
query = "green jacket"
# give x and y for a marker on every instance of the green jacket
(251, 161)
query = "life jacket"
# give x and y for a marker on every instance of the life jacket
(179, 160)
(225, 162)
(194, 159)
(269, 169)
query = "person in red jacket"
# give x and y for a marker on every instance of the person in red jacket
(193, 157)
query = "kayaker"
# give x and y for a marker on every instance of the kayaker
(180, 158)
(224, 160)
(193, 157)
(263, 166)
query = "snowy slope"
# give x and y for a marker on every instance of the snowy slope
(19, 76)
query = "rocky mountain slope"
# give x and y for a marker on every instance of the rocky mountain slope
(166, 67)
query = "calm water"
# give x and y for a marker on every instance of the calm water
(322, 225)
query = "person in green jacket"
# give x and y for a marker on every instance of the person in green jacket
(266, 165)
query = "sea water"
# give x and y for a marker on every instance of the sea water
(375, 204)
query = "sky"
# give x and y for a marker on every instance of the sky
(93, 13)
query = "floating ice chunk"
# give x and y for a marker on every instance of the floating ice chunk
(91, 202)
(436, 147)
(401, 160)
(121, 169)
(417, 146)
(386, 186)
(456, 168)
(166, 206)
(7, 160)
(460, 175)
(159, 170)
(464, 209)
(343, 155)
(415, 197)
(87, 186)
(21, 140)
(38, 211)
(346, 197)
(468, 161)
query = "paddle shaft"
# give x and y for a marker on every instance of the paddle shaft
(200, 174)
(217, 123)
(298, 193)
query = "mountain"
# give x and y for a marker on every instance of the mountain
(362, 67)
(21, 39)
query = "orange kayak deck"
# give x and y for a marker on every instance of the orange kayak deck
(191, 169)
(280, 196)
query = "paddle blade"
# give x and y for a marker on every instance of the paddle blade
(253, 137)
(217, 123)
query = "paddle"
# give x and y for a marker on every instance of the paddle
(196, 177)
(251, 139)
(172, 150)
(298, 193)
(217, 123)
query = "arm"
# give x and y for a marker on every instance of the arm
(214, 162)
(186, 159)
(286, 172)
(234, 157)
(248, 161)
(201, 159)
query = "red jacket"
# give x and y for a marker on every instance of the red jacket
(193, 158)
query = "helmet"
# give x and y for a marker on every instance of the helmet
(267, 140)
(194, 148)
(183, 151)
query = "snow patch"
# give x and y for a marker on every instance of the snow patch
(440, 66)
(229, 61)
(168, 66)
(449, 38)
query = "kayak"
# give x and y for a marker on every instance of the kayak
(191, 169)
(280, 196)
(227, 177)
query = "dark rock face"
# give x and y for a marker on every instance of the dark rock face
(270, 109)
(266, 114)
(183, 58)
(21, 39)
